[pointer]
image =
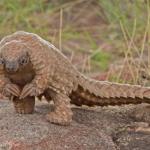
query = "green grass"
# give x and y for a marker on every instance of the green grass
(101, 59)
(125, 11)
(21, 15)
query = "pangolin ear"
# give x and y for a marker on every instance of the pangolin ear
(26, 49)
(28, 53)
(1, 60)
(28, 56)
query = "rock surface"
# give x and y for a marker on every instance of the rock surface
(97, 128)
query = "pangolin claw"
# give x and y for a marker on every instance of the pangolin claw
(11, 89)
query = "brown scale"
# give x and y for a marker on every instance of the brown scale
(82, 97)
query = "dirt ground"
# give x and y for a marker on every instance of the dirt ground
(107, 128)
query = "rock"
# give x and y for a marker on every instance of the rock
(130, 140)
(92, 128)
(34, 132)
(141, 114)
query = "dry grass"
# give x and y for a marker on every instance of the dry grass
(94, 34)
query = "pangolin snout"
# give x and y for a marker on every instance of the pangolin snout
(11, 66)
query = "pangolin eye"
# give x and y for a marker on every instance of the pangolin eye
(1, 61)
(23, 61)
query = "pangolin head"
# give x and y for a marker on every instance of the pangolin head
(14, 55)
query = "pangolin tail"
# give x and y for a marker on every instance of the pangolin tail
(91, 92)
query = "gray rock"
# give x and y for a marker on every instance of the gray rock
(92, 128)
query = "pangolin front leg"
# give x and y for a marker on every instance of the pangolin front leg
(6, 87)
(24, 106)
(10, 89)
(62, 114)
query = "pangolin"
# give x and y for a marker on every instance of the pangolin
(31, 66)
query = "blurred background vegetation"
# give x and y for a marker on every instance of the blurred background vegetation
(105, 39)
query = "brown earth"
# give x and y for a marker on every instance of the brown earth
(98, 128)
